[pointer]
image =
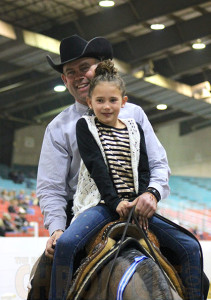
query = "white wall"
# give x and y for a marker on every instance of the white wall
(17, 256)
(27, 145)
(188, 155)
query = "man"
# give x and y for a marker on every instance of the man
(60, 159)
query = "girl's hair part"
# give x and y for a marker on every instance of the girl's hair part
(106, 72)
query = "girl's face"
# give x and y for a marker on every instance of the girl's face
(106, 102)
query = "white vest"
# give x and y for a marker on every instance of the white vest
(87, 193)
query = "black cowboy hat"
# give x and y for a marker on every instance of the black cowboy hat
(75, 47)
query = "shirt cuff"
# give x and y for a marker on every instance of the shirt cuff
(57, 225)
(164, 192)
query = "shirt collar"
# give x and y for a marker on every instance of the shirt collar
(81, 108)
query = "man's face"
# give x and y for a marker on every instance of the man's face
(77, 75)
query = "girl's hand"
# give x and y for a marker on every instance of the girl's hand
(123, 209)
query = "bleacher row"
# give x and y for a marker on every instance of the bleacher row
(189, 204)
(192, 190)
(33, 215)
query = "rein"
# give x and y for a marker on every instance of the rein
(142, 233)
(119, 248)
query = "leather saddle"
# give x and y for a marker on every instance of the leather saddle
(103, 248)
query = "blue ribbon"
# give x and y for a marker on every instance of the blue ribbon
(127, 276)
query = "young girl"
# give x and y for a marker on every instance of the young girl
(114, 173)
(114, 170)
(115, 164)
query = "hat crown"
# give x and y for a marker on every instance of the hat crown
(72, 47)
(75, 47)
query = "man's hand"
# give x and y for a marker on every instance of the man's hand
(51, 243)
(146, 205)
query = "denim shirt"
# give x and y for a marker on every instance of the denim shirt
(60, 161)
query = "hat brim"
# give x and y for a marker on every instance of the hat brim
(98, 48)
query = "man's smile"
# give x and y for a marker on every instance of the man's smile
(82, 85)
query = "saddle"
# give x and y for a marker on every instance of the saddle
(103, 247)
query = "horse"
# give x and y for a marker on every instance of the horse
(147, 283)
(98, 275)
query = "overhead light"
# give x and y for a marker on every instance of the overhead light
(161, 106)
(59, 88)
(198, 45)
(157, 26)
(106, 3)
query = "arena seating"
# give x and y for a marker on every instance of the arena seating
(33, 213)
(188, 204)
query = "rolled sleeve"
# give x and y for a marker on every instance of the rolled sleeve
(51, 182)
